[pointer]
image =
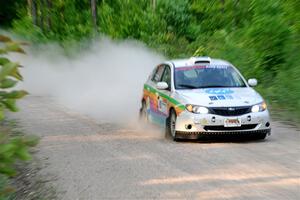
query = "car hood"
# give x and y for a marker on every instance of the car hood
(220, 97)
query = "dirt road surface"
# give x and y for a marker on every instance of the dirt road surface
(97, 160)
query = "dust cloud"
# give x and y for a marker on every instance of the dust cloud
(104, 82)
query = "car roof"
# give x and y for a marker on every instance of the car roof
(197, 61)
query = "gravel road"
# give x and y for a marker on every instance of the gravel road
(97, 160)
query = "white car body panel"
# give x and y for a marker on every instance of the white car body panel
(160, 102)
(238, 97)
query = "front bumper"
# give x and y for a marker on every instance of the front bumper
(195, 125)
(223, 135)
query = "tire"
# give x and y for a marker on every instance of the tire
(143, 113)
(170, 126)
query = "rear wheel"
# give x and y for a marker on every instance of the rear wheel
(171, 125)
(143, 113)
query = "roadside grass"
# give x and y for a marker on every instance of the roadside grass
(278, 113)
(6, 192)
(285, 112)
(28, 184)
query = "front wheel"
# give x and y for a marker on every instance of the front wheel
(171, 125)
(144, 113)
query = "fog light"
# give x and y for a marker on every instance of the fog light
(249, 118)
(267, 124)
(213, 119)
(188, 126)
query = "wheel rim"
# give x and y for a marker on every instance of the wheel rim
(144, 112)
(173, 124)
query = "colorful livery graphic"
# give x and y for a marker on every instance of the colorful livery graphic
(201, 96)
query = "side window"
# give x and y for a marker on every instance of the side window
(167, 76)
(157, 75)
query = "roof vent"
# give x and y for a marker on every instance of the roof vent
(200, 60)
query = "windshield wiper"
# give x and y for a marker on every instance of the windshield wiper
(213, 86)
(188, 86)
(237, 86)
(206, 86)
(222, 86)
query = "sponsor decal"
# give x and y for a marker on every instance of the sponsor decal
(228, 96)
(162, 107)
(218, 91)
(152, 93)
(202, 67)
(221, 97)
(213, 98)
(203, 122)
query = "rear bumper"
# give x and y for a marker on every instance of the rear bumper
(222, 135)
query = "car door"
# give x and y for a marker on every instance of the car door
(153, 95)
(163, 97)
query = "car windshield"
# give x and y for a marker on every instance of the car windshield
(209, 76)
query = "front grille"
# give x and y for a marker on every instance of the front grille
(182, 133)
(227, 134)
(230, 111)
(223, 128)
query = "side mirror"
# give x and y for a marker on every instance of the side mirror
(252, 82)
(162, 85)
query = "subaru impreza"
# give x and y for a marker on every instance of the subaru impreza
(200, 96)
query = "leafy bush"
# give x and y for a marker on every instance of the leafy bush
(176, 15)
(11, 148)
(262, 38)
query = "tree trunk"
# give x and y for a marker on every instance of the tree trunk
(223, 6)
(42, 14)
(94, 13)
(236, 17)
(153, 4)
(29, 4)
(32, 10)
(48, 4)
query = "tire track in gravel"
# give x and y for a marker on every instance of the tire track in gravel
(102, 160)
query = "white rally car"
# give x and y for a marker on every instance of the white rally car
(201, 96)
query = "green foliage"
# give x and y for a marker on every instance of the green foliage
(25, 28)
(5, 191)
(176, 15)
(262, 38)
(125, 24)
(7, 11)
(9, 76)
(11, 148)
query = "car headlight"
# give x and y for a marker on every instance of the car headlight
(197, 109)
(259, 107)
